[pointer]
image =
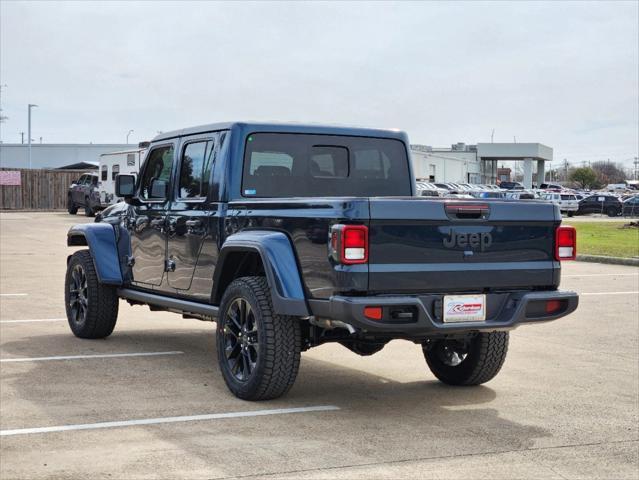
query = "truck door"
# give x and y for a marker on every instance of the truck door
(192, 219)
(76, 192)
(147, 226)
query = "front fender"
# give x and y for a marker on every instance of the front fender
(280, 267)
(102, 243)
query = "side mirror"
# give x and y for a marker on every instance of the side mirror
(124, 186)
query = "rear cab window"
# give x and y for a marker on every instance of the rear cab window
(311, 165)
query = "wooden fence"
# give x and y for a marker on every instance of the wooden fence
(38, 189)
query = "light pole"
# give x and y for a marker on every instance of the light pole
(127, 136)
(31, 105)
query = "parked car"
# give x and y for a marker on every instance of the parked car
(84, 193)
(631, 207)
(600, 203)
(551, 186)
(516, 194)
(567, 201)
(511, 186)
(292, 236)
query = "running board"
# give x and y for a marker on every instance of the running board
(171, 303)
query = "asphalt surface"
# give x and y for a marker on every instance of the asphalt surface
(565, 405)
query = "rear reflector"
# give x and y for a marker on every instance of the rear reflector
(565, 243)
(553, 306)
(373, 313)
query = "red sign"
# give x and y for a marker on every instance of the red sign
(10, 177)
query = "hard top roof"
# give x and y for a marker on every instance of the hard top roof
(276, 127)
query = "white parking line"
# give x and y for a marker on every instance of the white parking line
(13, 294)
(155, 421)
(35, 320)
(80, 357)
(602, 275)
(610, 293)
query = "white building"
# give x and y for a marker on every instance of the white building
(54, 155)
(463, 163)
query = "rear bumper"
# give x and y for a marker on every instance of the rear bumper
(504, 311)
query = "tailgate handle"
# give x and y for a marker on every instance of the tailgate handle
(467, 211)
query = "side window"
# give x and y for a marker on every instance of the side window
(94, 180)
(195, 169)
(157, 174)
(104, 173)
(115, 170)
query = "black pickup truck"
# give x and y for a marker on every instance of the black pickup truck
(290, 236)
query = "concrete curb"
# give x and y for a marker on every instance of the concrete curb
(632, 262)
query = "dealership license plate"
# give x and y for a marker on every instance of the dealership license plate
(464, 308)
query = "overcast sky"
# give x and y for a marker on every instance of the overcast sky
(563, 74)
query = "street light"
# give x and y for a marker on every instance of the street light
(127, 136)
(31, 105)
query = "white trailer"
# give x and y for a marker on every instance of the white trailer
(113, 164)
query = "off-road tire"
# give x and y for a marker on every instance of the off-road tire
(88, 211)
(486, 355)
(71, 206)
(278, 339)
(102, 300)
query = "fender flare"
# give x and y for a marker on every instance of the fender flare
(102, 243)
(280, 267)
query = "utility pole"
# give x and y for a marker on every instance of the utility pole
(492, 135)
(22, 138)
(636, 163)
(127, 136)
(31, 105)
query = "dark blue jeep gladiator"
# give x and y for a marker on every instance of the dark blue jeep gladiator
(290, 236)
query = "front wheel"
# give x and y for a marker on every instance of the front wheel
(88, 210)
(467, 362)
(92, 308)
(570, 214)
(258, 350)
(71, 206)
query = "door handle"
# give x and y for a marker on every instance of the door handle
(194, 223)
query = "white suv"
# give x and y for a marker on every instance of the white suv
(567, 201)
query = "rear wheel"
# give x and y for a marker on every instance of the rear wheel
(71, 206)
(258, 350)
(612, 212)
(469, 362)
(570, 214)
(92, 308)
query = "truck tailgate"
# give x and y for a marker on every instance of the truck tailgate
(435, 245)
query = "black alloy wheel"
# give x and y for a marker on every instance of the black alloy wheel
(78, 295)
(241, 346)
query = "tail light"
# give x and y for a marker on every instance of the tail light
(565, 243)
(349, 244)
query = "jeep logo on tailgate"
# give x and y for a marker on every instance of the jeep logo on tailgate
(472, 240)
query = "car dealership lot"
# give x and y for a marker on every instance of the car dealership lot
(564, 406)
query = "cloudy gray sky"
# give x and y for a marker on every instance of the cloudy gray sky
(564, 74)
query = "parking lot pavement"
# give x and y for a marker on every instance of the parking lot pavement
(565, 405)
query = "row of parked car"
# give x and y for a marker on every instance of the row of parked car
(570, 202)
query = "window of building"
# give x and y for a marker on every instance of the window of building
(104, 173)
(115, 170)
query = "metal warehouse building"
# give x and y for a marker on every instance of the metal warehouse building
(54, 155)
(478, 163)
